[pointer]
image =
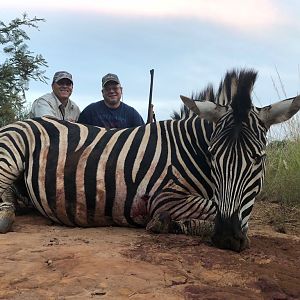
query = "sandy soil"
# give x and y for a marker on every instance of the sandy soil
(40, 260)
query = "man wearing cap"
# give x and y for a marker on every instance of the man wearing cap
(111, 112)
(57, 103)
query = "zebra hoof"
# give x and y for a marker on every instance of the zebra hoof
(160, 223)
(7, 218)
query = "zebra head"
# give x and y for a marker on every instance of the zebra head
(237, 148)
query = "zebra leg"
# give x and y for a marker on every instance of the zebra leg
(163, 223)
(202, 228)
(7, 210)
(187, 214)
(160, 223)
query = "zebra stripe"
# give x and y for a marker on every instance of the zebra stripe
(165, 175)
(87, 176)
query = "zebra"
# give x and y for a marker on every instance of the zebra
(165, 176)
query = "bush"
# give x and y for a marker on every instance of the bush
(18, 66)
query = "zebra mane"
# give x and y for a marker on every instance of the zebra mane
(234, 90)
(207, 94)
(241, 101)
(184, 112)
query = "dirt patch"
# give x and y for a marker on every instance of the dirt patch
(43, 261)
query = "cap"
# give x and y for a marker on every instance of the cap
(62, 75)
(110, 77)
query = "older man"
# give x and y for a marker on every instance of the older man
(57, 103)
(111, 112)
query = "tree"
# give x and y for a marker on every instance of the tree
(20, 66)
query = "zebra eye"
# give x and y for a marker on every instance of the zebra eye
(258, 158)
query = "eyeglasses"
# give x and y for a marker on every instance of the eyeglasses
(111, 88)
(64, 82)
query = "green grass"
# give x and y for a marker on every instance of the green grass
(282, 183)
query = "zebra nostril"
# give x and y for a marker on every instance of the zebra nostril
(230, 243)
(238, 236)
(235, 245)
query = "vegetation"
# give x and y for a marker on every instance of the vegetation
(16, 70)
(281, 190)
(282, 182)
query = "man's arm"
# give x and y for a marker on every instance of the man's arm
(137, 120)
(41, 107)
(84, 118)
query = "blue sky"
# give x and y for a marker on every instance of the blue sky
(189, 43)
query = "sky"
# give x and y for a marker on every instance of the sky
(188, 43)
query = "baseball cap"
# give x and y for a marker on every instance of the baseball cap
(62, 75)
(110, 77)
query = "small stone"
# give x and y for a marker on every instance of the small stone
(49, 262)
(98, 293)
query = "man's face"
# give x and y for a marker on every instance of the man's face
(63, 89)
(112, 93)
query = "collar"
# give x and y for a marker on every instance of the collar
(58, 103)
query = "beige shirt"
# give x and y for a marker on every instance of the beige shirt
(49, 105)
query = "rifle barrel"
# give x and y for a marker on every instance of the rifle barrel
(150, 106)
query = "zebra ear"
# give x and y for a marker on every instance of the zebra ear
(280, 111)
(205, 109)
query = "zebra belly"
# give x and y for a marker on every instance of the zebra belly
(96, 211)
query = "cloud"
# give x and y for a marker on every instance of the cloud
(246, 15)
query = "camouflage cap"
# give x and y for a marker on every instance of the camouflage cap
(110, 77)
(62, 75)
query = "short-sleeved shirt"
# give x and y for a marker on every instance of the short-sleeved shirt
(99, 114)
(49, 105)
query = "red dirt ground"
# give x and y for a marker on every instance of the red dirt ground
(44, 261)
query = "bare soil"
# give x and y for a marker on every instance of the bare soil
(40, 260)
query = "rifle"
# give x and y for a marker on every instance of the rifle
(151, 115)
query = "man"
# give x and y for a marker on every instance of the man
(57, 103)
(111, 112)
